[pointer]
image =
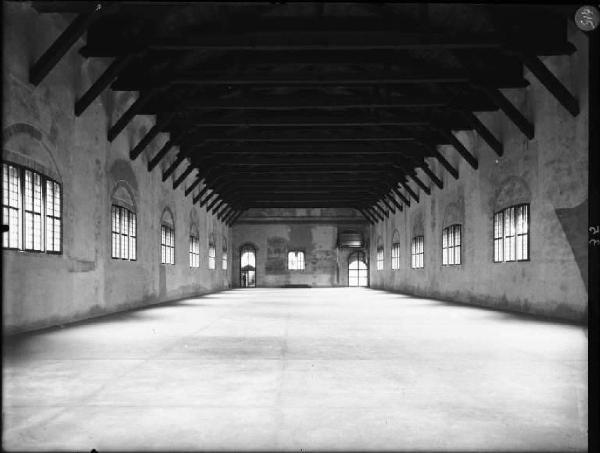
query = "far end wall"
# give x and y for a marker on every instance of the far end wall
(274, 232)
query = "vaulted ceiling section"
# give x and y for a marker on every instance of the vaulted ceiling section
(312, 104)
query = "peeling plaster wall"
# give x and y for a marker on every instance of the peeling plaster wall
(274, 232)
(550, 172)
(40, 131)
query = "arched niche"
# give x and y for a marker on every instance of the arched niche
(26, 145)
(454, 213)
(513, 190)
(167, 218)
(122, 195)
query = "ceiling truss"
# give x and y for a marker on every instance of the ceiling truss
(309, 105)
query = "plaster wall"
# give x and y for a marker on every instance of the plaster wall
(274, 232)
(40, 131)
(550, 172)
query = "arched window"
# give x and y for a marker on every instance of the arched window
(417, 252)
(511, 234)
(396, 250)
(212, 252)
(358, 271)
(451, 245)
(379, 254)
(167, 238)
(296, 260)
(248, 266)
(194, 246)
(31, 208)
(123, 224)
(224, 259)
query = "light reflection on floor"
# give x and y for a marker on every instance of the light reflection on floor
(276, 369)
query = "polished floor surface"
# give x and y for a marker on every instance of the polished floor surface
(291, 369)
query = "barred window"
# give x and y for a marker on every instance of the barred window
(395, 256)
(451, 245)
(194, 251)
(395, 251)
(124, 233)
(224, 256)
(31, 208)
(167, 245)
(212, 253)
(296, 260)
(53, 221)
(511, 234)
(380, 258)
(417, 252)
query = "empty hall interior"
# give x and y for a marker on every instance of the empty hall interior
(294, 226)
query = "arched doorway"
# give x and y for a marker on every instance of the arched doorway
(358, 271)
(248, 267)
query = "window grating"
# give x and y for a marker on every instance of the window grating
(380, 258)
(417, 252)
(224, 257)
(395, 256)
(296, 260)
(194, 251)
(511, 234)
(212, 254)
(451, 245)
(167, 245)
(124, 233)
(31, 207)
(11, 206)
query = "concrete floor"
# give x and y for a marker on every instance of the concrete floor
(276, 369)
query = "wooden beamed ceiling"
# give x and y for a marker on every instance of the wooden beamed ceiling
(312, 104)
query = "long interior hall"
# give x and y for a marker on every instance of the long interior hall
(299, 226)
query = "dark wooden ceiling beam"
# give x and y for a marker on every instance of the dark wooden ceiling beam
(215, 200)
(218, 207)
(224, 212)
(152, 163)
(199, 195)
(230, 215)
(390, 197)
(169, 171)
(151, 135)
(329, 39)
(485, 133)
(447, 165)
(131, 112)
(370, 219)
(191, 188)
(102, 83)
(182, 176)
(306, 138)
(308, 124)
(376, 216)
(421, 184)
(385, 212)
(519, 120)
(391, 208)
(437, 181)
(310, 79)
(405, 200)
(411, 192)
(76, 29)
(462, 150)
(551, 82)
(293, 102)
(208, 197)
